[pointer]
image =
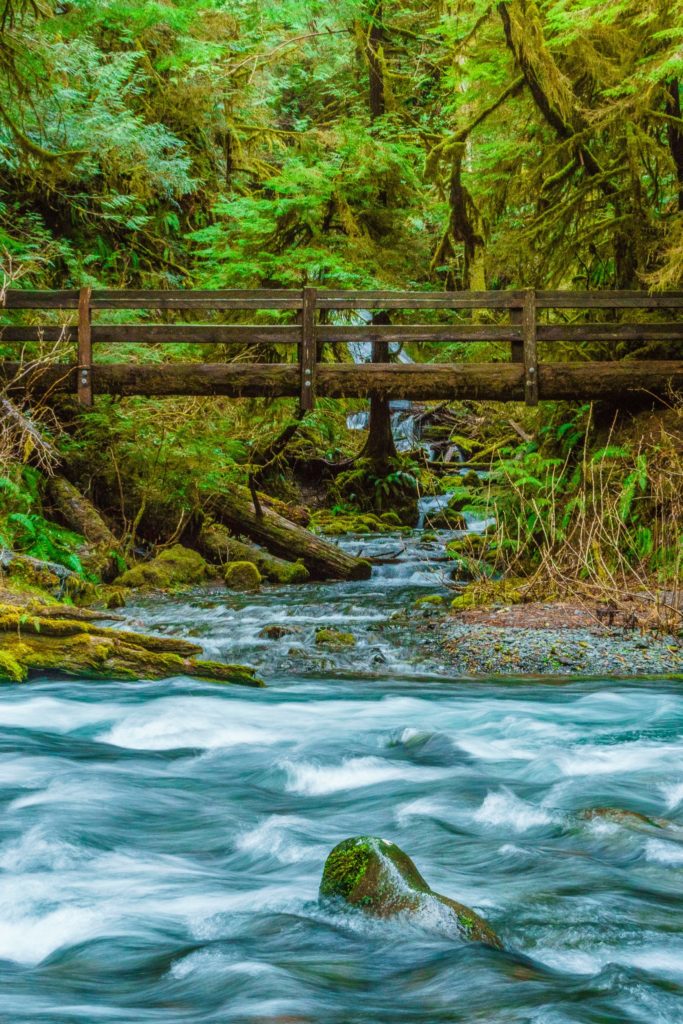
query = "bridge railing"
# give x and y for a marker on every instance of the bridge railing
(523, 330)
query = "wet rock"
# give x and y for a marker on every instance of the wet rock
(275, 631)
(377, 877)
(334, 638)
(619, 816)
(242, 576)
(176, 567)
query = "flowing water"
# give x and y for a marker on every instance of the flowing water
(161, 844)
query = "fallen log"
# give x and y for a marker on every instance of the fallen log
(42, 642)
(218, 545)
(235, 509)
(79, 515)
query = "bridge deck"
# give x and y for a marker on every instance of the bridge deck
(533, 319)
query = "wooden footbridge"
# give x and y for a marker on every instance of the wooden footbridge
(312, 323)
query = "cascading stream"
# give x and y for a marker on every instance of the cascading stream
(161, 844)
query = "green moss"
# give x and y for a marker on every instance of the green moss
(216, 672)
(279, 571)
(176, 567)
(429, 599)
(377, 877)
(11, 671)
(345, 867)
(242, 576)
(334, 638)
(486, 593)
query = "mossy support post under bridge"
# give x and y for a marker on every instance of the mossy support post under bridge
(531, 322)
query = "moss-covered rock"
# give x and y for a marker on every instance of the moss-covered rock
(11, 671)
(242, 576)
(276, 630)
(220, 547)
(34, 642)
(173, 568)
(335, 524)
(429, 600)
(620, 816)
(334, 638)
(377, 877)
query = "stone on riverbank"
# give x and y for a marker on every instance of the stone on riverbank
(176, 567)
(377, 877)
(243, 576)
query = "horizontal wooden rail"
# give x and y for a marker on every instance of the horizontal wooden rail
(525, 377)
(500, 382)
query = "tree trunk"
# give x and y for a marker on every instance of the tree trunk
(235, 509)
(380, 447)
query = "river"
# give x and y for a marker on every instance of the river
(161, 845)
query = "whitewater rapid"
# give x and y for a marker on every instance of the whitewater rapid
(161, 844)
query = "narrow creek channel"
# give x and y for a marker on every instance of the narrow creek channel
(161, 845)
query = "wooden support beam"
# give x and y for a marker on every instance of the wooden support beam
(84, 387)
(530, 351)
(307, 361)
(517, 347)
(502, 382)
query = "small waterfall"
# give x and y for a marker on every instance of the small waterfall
(404, 424)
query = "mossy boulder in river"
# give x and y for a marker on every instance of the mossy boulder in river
(176, 567)
(377, 877)
(334, 638)
(242, 576)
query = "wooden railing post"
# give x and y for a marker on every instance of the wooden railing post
(516, 347)
(307, 356)
(530, 351)
(84, 387)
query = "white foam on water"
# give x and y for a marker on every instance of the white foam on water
(54, 715)
(619, 759)
(203, 960)
(423, 807)
(39, 850)
(273, 837)
(657, 851)
(672, 793)
(67, 791)
(30, 939)
(311, 779)
(504, 808)
(28, 772)
(660, 960)
(175, 723)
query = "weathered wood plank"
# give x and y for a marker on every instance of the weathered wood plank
(308, 351)
(343, 299)
(608, 300)
(196, 334)
(269, 298)
(430, 333)
(38, 333)
(610, 332)
(530, 350)
(494, 381)
(84, 389)
(18, 298)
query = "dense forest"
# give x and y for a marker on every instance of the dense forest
(446, 145)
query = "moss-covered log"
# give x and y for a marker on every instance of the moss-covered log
(218, 545)
(79, 514)
(33, 644)
(235, 509)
